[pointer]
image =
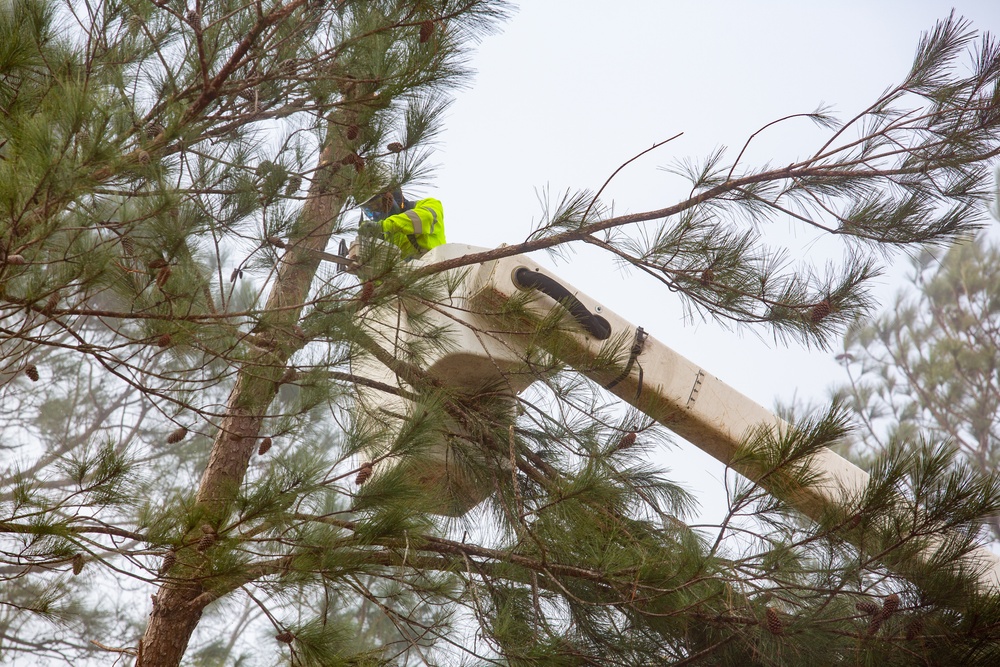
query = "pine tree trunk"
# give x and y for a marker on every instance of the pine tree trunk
(178, 605)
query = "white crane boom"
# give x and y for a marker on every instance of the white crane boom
(656, 380)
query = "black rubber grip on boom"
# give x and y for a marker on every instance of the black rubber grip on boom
(595, 325)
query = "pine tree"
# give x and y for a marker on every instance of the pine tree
(168, 175)
(927, 368)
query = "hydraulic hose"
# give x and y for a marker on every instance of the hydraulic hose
(595, 325)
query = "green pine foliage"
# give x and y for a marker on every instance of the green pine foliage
(928, 365)
(871, 183)
(193, 473)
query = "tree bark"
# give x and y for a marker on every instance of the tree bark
(180, 601)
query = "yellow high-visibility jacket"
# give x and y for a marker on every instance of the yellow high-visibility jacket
(418, 229)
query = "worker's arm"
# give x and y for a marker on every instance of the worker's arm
(425, 221)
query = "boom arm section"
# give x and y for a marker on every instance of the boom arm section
(673, 390)
(656, 380)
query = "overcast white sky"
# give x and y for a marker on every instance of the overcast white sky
(570, 90)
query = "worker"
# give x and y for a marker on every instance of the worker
(413, 226)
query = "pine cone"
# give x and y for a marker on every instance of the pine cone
(276, 242)
(294, 183)
(363, 474)
(285, 637)
(426, 30)
(867, 607)
(290, 375)
(176, 436)
(356, 161)
(876, 623)
(367, 291)
(264, 167)
(142, 157)
(169, 559)
(265, 445)
(78, 562)
(626, 441)
(157, 263)
(134, 22)
(51, 304)
(153, 129)
(395, 147)
(289, 66)
(163, 341)
(206, 541)
(250, 94)
(193, 17)
(820, 311)
(890, 606)
(773, 622)
(128, 245)
(352, 132)
(163, 275)
(15, 259)
(31, 371)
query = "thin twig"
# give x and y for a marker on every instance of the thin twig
(623, 165)
(126, 651)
